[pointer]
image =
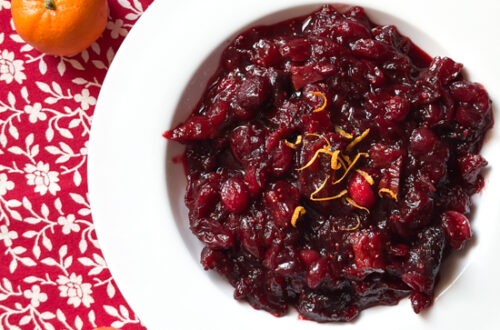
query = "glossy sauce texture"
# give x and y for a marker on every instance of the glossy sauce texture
(406, 130)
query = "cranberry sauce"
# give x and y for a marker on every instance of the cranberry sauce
(331, 164)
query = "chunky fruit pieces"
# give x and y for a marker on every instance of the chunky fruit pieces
(331, 165)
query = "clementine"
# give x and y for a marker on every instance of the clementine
(60, 27)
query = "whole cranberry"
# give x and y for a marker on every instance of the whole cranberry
(361, 191)
(252, 94)
(396, 108)
(317, 272)
(234, 195)
(422, 140)
(457, 228)
(470, 166)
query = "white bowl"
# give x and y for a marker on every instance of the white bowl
(137, 193)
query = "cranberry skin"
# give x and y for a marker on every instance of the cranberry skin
(457, 229)
(265, 53)
(281, 200)
(443, 70)
(370, 49)
(396, 109)
(398, 250)
(298, 50)
(420, 301)
(467, 115)
(212, 233)
(255, 179)
(391, 177)
(281, 159)
(234, 195)
(202, 194)
(464, 91)
(468, 92)
(346, 31)
(361, 191)
(195, 128)
(251, 95)
(206, 199)
(470, 166)
(422, 140)
(210, 258)
(217, 112)
(303, 75)
(325, 307)
(456, 198)
(383, 156)
(247, 143)
(368, 250)
(308, 256)
(317, 272)
(424, 260)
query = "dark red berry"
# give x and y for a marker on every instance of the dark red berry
(234, 195)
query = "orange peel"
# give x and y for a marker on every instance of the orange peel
(367, 176)
(334, 161)
(316, 199)
(294, 145)
(357, 140)
(364, 154)
(313, 159)
(391, 193)
(356, 205)
(343, 133)
(323, 106)
(321, 137)
(355, 227)
(299, 211)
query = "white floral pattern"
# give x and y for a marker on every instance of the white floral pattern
(85, 99)
(53, 274)
(4, 4)
(42, 178)
(68, 224)
(35, 296)
(117, 28)
(77, 292)
(10, 68)
(5, 184)
(7, 236)
(35, 112)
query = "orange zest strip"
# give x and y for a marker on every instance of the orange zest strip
(290, 144)
(339, 195)
(311, 197)
(347, 159)
(389, 192)
(322, 137)
(343, 133)
(342, 163)
(323, 106)
(355, 227)
(294, 144)
(299, 210)
(353, 203)
(367, 177)
(313, 159)
(357, 140)
(334, 162)
(364, 154)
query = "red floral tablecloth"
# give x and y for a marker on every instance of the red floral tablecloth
(52, 273)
